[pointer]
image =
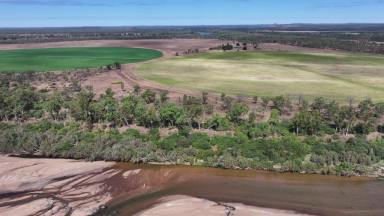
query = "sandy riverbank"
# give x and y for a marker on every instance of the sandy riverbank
(52, 186)
(190, 206)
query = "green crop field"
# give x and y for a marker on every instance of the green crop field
(333, 75)
(54, 59)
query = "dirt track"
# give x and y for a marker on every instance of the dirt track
(127, 74)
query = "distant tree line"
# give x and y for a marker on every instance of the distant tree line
(359, 42)
(363, 38)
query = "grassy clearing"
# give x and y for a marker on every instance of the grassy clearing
(53, 59)
(333, 75)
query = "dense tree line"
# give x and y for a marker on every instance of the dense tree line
(321, 137)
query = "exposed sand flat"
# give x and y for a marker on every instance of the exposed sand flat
(189, 206)
(52, 186)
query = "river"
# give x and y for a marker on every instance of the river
(141, 186)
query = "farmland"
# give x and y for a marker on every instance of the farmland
(54, 59)
(264, 73)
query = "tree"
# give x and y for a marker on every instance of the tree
(164, 96)
(148, 96)
(205, 97)
(265, 102)
(127, 108)
(226, 102)
(237, 112)
(366, 114)
(81, 105)
(274, 119)
(146, 115)
(281, 102)
(22, 100)
(109, 107)
(218, 123)
(136, 89)
(251, 117)
(348, 117)
(54, 105)
(195, 112)
(319, 104)
(303, 103)
(307, 122)
(5, 109)
(255, 99)
(227, 47)
(75, 86)
(117, 65)
(172, 115)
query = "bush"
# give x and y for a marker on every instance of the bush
(218, 123)
(200, 141)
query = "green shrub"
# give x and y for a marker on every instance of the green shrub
(200, 141)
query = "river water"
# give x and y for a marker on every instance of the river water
(140, 187)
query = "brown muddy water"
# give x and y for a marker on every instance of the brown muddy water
(141, 186)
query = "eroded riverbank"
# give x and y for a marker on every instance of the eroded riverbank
(67, 187)
(52, 186)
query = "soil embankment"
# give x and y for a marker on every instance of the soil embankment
(69, 187)
(52, 186)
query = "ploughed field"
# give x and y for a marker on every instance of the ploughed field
(269, 73)
(56, 59)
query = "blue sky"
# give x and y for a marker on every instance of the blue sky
(43, 13)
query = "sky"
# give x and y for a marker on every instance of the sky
(60, 13)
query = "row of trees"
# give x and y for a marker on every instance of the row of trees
(321, 115)
(150, 110)
(297, 144)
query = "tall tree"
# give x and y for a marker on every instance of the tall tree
(81, 105)
(237, 112)
(54, 104)
(172, 115)
(127, 108)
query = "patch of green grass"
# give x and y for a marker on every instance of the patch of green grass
(54, 59)
(333, 75)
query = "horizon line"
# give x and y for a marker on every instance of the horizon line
(195, 25)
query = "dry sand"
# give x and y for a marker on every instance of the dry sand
(190, 206)
(52, 186)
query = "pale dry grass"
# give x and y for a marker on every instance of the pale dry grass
(333, 75)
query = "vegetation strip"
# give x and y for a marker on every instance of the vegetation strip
(322, 137)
